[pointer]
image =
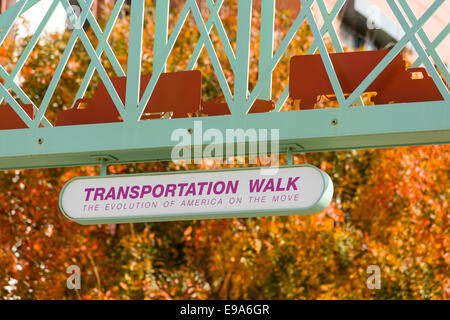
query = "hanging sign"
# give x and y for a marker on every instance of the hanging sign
(229, 193)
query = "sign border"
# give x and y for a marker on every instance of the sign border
(323, 201)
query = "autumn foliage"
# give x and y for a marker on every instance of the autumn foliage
(390, 209)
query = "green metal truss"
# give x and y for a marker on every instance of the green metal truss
(42, 145)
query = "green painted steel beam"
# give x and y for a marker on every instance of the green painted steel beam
(332, 76)
(312, 130)
(214, 20)
(134, 60)
(393, 53)
(422, 53)
(103, 42)
(150, 140)
(244, 25)
(314, 46)
(22, 6)
(266, 43)
(161, 34)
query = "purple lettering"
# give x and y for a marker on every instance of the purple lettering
(88, 190)
(291, 183)
(181, 186)
(219, 183)
(232, 187)
(209, 188)
(279, 188)
(191, 190)
(170, 188)
(99, 192)
(256, 185)
(122, 194)
(202, 185)
(134, 192)
(269, 186)
(111, 194)
(155, 194)
(145, 190)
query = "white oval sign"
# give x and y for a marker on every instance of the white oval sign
(231, 193)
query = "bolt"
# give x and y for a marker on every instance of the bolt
(40, 141)
(334, 122)
(190, 131)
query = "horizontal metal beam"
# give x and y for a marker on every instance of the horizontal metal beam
(391, 125)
